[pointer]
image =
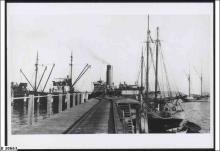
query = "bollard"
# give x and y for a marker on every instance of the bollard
(49, 105)
(60, 103)
(30, 110)
(68, 101)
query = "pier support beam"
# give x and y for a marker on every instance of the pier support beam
(31, 110)
(60, 103)
(68, 101)
(49, 105)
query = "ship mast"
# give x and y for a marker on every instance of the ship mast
(142, 61)
(148, 45)
(189, 82)
(71, 68)
(156, 72)
(36, 70)
(201, 83)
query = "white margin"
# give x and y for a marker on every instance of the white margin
(2, 73)
(217, 74)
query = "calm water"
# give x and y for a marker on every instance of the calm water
(197, 112)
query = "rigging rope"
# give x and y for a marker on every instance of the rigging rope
(154, 67)
(168, 84)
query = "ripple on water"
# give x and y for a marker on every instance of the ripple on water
(199, 113)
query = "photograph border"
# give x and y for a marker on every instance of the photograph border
(114, 1)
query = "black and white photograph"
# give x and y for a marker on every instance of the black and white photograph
(116, 71)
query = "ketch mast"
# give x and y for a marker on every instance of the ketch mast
(142, 62)
(201, 83)
(147, 62)
(189, 80)
(156, 71)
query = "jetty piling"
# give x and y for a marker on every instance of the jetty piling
(52, 103)
(82, 98)
(38, 106)
(74, 99)
(68, 100)
(49, 105)
(71, 100)
(78, 99)
(30, 110)
(60, 103)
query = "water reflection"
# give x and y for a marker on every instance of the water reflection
(20, 110)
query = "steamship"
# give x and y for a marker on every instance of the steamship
(60, 85)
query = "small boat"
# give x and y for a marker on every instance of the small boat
(189, 99)
(177, 130)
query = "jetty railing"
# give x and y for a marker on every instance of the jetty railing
(53, 103)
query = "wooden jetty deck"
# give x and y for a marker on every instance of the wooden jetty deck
(58, 123)
(96, 121)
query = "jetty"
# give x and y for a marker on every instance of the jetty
(79, 115)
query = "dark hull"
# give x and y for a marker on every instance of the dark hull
(159, 125)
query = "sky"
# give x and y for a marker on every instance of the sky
(109, 34)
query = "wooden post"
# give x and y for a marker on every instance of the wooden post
(30, 110)
(60, 103)
(38, 106)
(78, 98)
(86, 96)
(74, 99)
(68, 100)
(82, 97)
(49, 105)
(25, 99)
(137, 121)
(123, 121)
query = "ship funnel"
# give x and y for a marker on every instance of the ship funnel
(109, 75)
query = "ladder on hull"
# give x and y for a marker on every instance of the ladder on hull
(128, 123)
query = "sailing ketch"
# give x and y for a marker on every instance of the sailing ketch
(164, 113)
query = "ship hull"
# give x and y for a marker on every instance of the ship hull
(158, 125)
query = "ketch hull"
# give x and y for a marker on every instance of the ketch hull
(158, 125)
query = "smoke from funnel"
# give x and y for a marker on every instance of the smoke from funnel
(98, 58)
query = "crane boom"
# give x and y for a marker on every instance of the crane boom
(48, 77)
(41, 78)
(26, 79)
(81, 74)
